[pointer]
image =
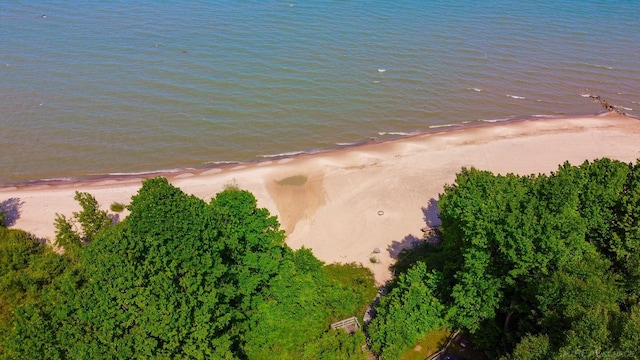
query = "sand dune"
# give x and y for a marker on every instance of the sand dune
(344, 203)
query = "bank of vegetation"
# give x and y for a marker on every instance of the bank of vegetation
(178, 278)
(527, 267)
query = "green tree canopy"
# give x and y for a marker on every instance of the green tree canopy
(26, 267)
(541, 264)
(407, 313)
(183, 278)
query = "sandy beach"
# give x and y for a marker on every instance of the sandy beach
(345, 203)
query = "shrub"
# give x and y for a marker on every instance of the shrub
(117, 207)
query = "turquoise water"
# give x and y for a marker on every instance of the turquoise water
(124, 87)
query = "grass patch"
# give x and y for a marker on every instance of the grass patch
(424, 348)
(117, 207)
(233, 185)
(358, 280)
(468, 352)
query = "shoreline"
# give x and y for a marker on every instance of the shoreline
(224, 165)
(345, 202)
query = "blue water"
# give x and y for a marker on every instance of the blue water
(117, 87)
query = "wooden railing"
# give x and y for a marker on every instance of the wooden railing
(346, 322)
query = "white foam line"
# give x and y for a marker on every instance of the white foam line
(601, 66)
(494, 120)
(401, 133)
(221, 162)
(517, 97)
(144, 172)
(441, 126)
(53, 179)
(292, 153)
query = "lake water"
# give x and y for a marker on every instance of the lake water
(116, 87)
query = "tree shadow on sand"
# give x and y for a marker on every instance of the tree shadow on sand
(11, 210)
(432, 221)
(115, 218)
(413, 248)
(431, 214)
(408, 242)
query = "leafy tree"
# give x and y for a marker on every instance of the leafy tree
(254, 243)
(290, 318)
(532, 347)
(603, 182)
(16, 249)
(624, 248)
(182, 278)
(630, 336)
(155, 282)
(358, 283)
(26, 268)
(90, 221)
(578, 305)
(67, 238)
(306, 263)
(407, 313)
(335, 345)
(90, 218)
(302, 301)
(539, 266)
(503, 234)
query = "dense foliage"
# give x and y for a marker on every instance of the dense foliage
(530, 267)
(82, 227)
(26, 266)
(409, 311)
(182, 278)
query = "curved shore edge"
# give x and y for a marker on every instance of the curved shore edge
(387, 136)
(331, 200)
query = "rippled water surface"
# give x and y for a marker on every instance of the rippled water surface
(121, 87)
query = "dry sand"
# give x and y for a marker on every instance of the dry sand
(345, 203)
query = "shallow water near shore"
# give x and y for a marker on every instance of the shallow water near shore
(115, 88)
